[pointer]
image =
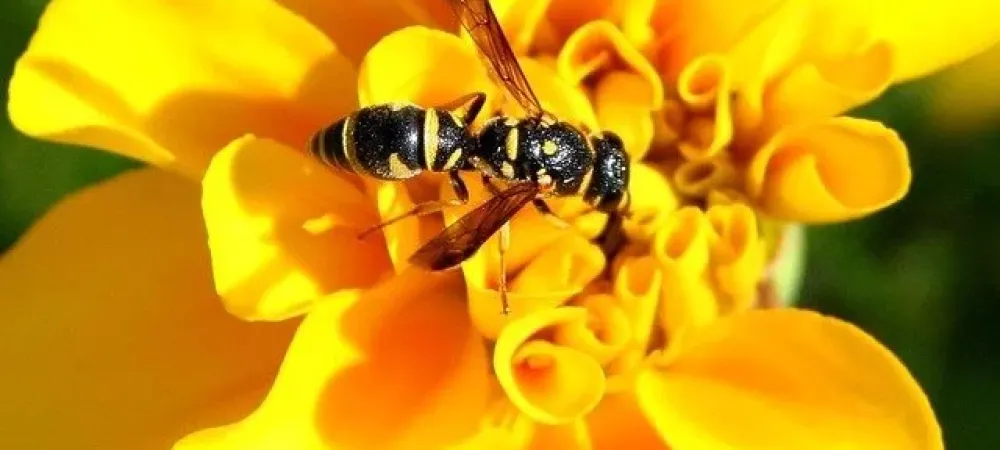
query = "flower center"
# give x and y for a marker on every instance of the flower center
(693, 251)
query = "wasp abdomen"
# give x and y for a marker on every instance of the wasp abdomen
(382, 141)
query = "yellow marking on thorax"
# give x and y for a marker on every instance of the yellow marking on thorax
(452, 160)
(510, 122)
(430, 138)
(550, 148)
(347, 144)
(507, 170)
(398, 169)
(511, 144)
(585, 183)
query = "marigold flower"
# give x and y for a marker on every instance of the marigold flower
(731, 115)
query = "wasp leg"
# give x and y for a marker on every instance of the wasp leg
(466, 107)
(422, 209)
(546, 212)
(488, 182)
(504, 245)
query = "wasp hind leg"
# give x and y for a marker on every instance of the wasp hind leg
(504, 242)
(466, 107)
(422, 209)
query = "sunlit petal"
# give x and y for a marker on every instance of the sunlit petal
(785, 378)
(91, 77)
(109, 304)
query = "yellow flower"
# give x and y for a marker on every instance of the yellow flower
(729, 112)
(967, 97)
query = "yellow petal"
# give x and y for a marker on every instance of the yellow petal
(172, 83)
(357, 26)
(786, 378)
(967, 97)
(682, 250)
(618, 423)
(521, 20)
(705, 86)
(383, 78)
(400, 367)
(827, 171)
(571, 436)
(693, 28)
(550, 383)
(605, 333)
(913, 28)
(283, 230)
(561, 270)
(108, 301)
(738, 256)
(637, 286)
(627, 86)
(653, 201)
(810, 62)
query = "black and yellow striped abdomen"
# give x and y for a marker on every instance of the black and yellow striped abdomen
(392, 142)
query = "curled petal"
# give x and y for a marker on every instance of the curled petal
(637, 287)
(550, 383)
(559, 272)
(107, 301)
(278, 222)
(626, 86)
(653, 201)
(705, 85)
(827, 84)
(701, 177)
(399, 367)
(738, 256)
(599, 46)
(684, 239)
(605, 333)
(785, 378)
(829, 171)
(686, 299)
(439, 68)
(682, 250)
(619, 104)
(113, 74)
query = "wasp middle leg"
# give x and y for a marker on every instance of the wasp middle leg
(422, 209)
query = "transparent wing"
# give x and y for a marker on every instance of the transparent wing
(480, 21)
(460, 240)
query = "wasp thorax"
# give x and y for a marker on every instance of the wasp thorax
(608, 187)
(556, 156)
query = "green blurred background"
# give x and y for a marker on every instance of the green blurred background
(923, 276)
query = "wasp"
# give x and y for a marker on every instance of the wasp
(536, 156)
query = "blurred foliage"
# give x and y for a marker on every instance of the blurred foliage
(923, 276)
